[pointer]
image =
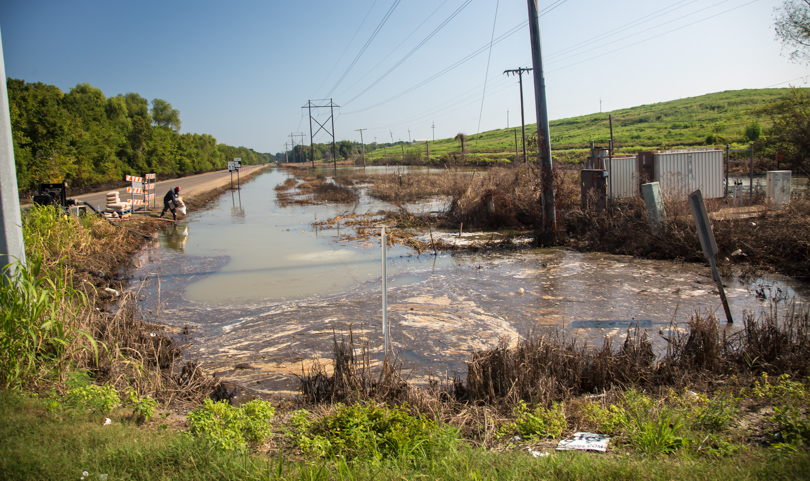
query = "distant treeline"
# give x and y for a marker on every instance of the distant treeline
(87, 139)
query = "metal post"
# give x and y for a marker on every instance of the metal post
(311, 139)
(334, 149)
(728, 161)
(428, 152)
(363, 146)
(12, 245)
(751, 177)
(543, 140)
(708, 243)
(384, 295)
(610, 160)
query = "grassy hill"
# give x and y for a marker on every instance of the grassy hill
(708, 120)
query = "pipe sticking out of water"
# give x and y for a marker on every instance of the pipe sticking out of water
(384, 296)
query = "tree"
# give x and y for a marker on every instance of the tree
(790, 128)
(163, 115)
(463, 139)
(792, 24)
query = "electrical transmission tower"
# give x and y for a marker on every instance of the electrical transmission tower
(331, 106)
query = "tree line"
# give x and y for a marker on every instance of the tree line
(87, 139)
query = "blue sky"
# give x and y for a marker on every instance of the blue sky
(242, 71)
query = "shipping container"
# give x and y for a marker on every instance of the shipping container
(681, 172)
(623, 181)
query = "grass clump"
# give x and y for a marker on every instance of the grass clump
(371, 432)
(536, 423)
(232, 427)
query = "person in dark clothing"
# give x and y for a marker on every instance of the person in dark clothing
(170, 201)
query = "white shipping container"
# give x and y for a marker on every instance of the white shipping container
(623, 177)
(681, 173)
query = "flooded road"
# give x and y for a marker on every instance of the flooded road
(262, 292)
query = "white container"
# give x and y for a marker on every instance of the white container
(779, 187)
(623, 178)
(680, 173)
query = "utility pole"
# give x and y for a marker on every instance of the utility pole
(434, 131)
(543, 140)
(362, 146)
(286, 158)
(392, 137)
(519, 72)
(507, 117)
(409, 138)
(12, 244)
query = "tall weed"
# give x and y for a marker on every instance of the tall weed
(35, 327)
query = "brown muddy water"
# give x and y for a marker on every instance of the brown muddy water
(262, 292)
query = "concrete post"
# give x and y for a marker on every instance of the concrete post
(12, 247)
(655, 205)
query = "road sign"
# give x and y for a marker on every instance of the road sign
(707, 242)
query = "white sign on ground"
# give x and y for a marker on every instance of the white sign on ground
(585, 442)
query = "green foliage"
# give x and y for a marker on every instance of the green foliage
(371, 432)
(717, 414)
(537, 423)
(655, 433)
(784, 392)
(143, 408)
(34, 334)
(232, 427)
(752, 131)
(84, 138)
(82, 394)
(792, 424)
(608, 420)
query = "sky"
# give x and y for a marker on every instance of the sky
(243, 71)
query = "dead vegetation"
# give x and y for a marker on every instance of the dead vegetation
(547, 369)
(507, 200)
(314, 189)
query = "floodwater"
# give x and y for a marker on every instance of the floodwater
(263, 292)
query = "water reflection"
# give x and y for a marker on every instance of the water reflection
(176, 238)
(237, 211)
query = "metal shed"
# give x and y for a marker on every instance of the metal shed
(682, 172)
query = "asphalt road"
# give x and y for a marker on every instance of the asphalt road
(189, 186)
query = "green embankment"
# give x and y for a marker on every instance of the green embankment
(710, 120)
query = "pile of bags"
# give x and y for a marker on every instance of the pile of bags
(114, 204)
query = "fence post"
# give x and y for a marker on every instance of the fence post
(728, 161)
(751, 177)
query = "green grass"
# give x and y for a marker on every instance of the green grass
(124, 451)
(704, 121)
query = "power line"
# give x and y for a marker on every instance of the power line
(486, 73)
(368, 42)
(655, 36)
(374, 68)
(656, 27)
(418, 46)
(348, 45)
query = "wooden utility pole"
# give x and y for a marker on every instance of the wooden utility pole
(543, 140)
(519, 73)
(362, 145)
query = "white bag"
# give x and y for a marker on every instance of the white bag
(182, 209)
